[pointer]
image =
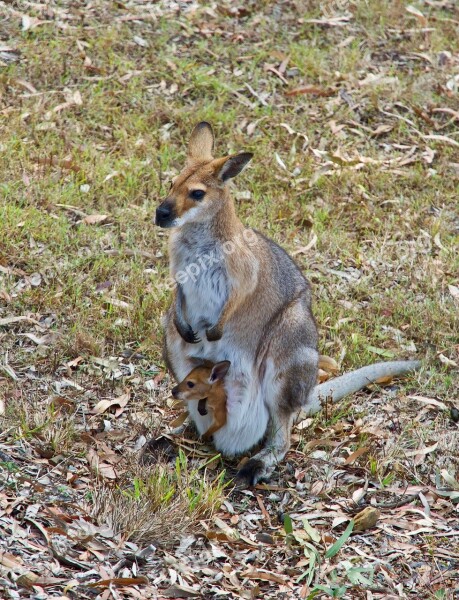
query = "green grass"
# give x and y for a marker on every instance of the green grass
(362, 218)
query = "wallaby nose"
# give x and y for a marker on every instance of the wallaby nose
(175, 392)
(164, 214)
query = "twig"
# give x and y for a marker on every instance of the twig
(256, 94)
(128, 252)
(73, 209)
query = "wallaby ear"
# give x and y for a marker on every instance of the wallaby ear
(219, 371)
(234, 165)
(201, 143)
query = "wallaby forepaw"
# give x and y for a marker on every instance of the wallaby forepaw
(253, 471)
(186, 332)
(190, 336)
(214, 334)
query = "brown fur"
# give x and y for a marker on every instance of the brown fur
(207, 381)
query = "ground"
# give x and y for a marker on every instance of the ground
(351, 111)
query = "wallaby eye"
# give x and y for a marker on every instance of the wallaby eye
(197, 194)
(190, 384)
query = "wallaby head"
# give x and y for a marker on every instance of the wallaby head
(198, 384)
(198, 192)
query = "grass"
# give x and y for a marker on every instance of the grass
(96, 123)
(159, 505)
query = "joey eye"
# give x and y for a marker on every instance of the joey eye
(197, 194)
(190, 384)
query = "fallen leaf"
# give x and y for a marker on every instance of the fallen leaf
(384, 380)
(265, 576)
(119, 582)
(305, 249)
(180, 591)
(311, 89)
(449, 479)
(10, 561)
(366, 519)
(104, 405)
(438, 243)
(280, 162)
(447, 361)
(335, 21)
(431, 401)
(418, 14)
(101, 468)
(311, 531)
(328, 364)
(140, 41)
(231, 534)
(323, 376)
(118, 303)
(304, 424)
(422, 451)
(352, 457)
(179, 420)
(442, 138)
(381, 129)
(10, 320)
(27, 580)
(75, 362)
(31, 22)
(358, 495)
(95, 219)
(48, 338)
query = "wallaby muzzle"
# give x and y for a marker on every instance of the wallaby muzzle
(165, 214)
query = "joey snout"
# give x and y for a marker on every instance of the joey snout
(175, 392)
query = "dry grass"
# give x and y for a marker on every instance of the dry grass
(160, 505)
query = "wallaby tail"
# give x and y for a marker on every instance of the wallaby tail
(349, 383)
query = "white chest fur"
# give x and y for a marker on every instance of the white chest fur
(197, 264)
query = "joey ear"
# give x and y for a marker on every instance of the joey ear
(234, 165)
(201, 143)
(219, 371)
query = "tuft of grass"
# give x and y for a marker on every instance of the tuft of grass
(160, 504)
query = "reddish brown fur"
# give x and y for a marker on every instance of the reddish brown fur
(204, 388)
(197, 176)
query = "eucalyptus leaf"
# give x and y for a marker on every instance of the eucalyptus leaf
(313, 533)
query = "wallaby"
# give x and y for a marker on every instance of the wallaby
(204, 384)
(240, 298)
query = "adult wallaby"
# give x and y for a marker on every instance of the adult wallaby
(240, 298)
